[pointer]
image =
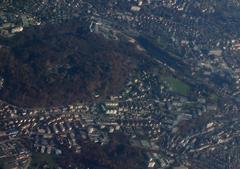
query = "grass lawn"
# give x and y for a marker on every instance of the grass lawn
(214, 97)
(177, 85)
(162, 41)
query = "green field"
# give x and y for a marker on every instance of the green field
(40, 159)
(214, 97)
(177, 85)
(162, 41)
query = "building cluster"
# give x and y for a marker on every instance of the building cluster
(191, 37)
(148, 111)
(13, 22)
(14, 155)
(173, 128)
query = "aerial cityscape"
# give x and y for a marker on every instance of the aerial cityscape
(119, 84)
